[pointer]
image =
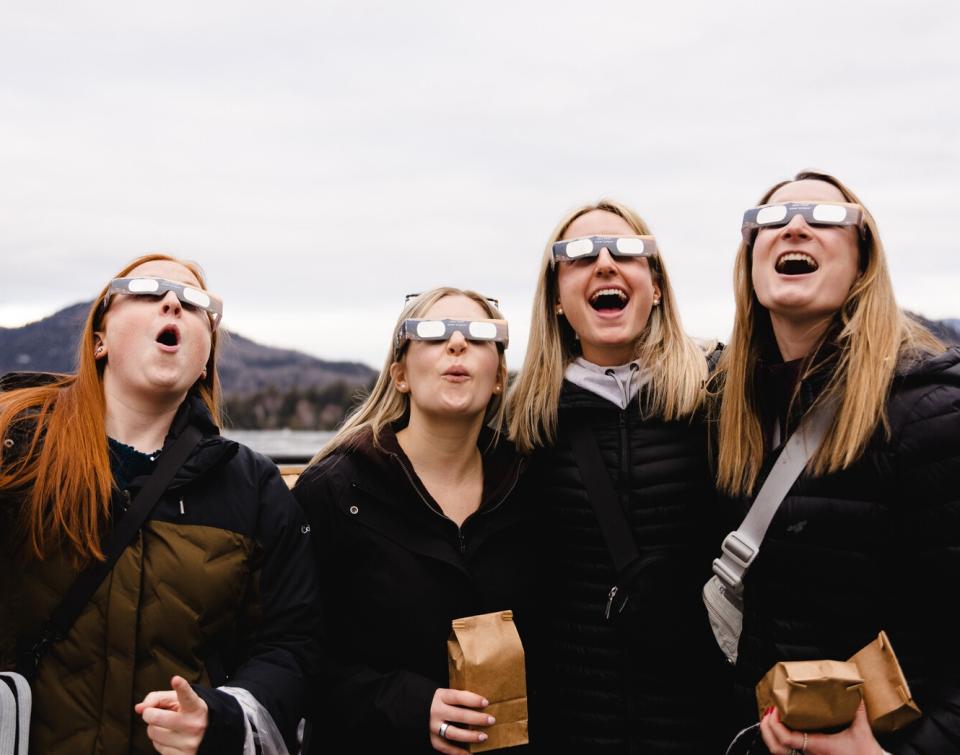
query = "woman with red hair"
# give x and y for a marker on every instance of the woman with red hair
(198, 636)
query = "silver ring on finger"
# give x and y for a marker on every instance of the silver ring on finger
(444, 725)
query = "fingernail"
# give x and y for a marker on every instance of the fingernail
(482, 737)
(485, 702)
(491, 720)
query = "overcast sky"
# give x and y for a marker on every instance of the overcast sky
(322, 159)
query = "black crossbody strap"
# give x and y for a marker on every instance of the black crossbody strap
(87, 582)
(613, 522)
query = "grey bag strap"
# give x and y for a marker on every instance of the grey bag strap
(740, 547)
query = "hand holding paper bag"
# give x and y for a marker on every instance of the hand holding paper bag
(485, 655)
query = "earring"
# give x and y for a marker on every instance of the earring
(401, 386)
(559, 310)
(496, 388)
(656, 301)
(98, 351)
(203, 375)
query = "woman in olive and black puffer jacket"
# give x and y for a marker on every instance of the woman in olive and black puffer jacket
(868, 538)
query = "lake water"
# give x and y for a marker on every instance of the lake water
(282, 445)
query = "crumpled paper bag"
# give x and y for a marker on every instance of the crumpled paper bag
(885, 691)
(812, 695)
(485, 655)
(824, 695)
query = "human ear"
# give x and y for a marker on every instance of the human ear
(398, 376)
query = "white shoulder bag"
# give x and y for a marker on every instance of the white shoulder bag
(723, 594)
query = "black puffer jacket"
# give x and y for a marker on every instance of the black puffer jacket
(652, 680)
(875, 546)
(394, 573)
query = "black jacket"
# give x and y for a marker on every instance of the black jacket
(394, 573)
(874, 546)
(651, 679)
(218, 587)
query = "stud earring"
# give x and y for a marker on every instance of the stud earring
(98, 351)
(559, 310)
(203, 375)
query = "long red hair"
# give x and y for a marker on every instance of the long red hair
(64, 475)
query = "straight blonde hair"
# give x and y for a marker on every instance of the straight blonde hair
(678, 365)
(65, 472)
(871, 334)
(385, 404)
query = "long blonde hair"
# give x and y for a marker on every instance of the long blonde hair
(65, 472)
(871, 334)
(386, 405)
(677, 363)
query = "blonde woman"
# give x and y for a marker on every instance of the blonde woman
(417, 521)
(868, 538)
(608, 362)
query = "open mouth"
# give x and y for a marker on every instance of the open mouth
(169, 336)
(796, 263)
(609, 299)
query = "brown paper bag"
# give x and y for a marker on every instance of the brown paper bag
(812, 695)
(485, 656)
(885, 690)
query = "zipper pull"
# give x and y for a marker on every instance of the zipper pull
(182, 512)
(610, 598)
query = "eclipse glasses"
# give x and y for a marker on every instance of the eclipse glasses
(189, 296)
(815, 213)
(442, 330)
(590, 246)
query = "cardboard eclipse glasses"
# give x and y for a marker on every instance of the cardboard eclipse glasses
(815, 213)
(189, 296)
(590, 246)
(442, 330)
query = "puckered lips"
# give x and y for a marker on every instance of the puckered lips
(609, 300)
(456, 373)
(169, 338)
(796, 263)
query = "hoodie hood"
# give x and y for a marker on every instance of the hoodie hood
(619, 385)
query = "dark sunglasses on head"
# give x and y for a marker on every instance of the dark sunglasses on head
(410, 297)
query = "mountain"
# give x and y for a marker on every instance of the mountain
(246, 367)
(947, 331)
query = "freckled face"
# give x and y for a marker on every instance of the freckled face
(450, 378)
(811, 295)
(154, 346)
(608, 325)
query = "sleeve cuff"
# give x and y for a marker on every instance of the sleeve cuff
(225, 728)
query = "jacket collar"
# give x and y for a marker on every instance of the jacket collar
(386, 469)
(212, 451)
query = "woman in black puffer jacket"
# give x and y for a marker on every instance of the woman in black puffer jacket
(635, 669)
(868, 538)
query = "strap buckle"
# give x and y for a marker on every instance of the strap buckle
(737, 555)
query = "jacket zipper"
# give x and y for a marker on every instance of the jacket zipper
(461, 540)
